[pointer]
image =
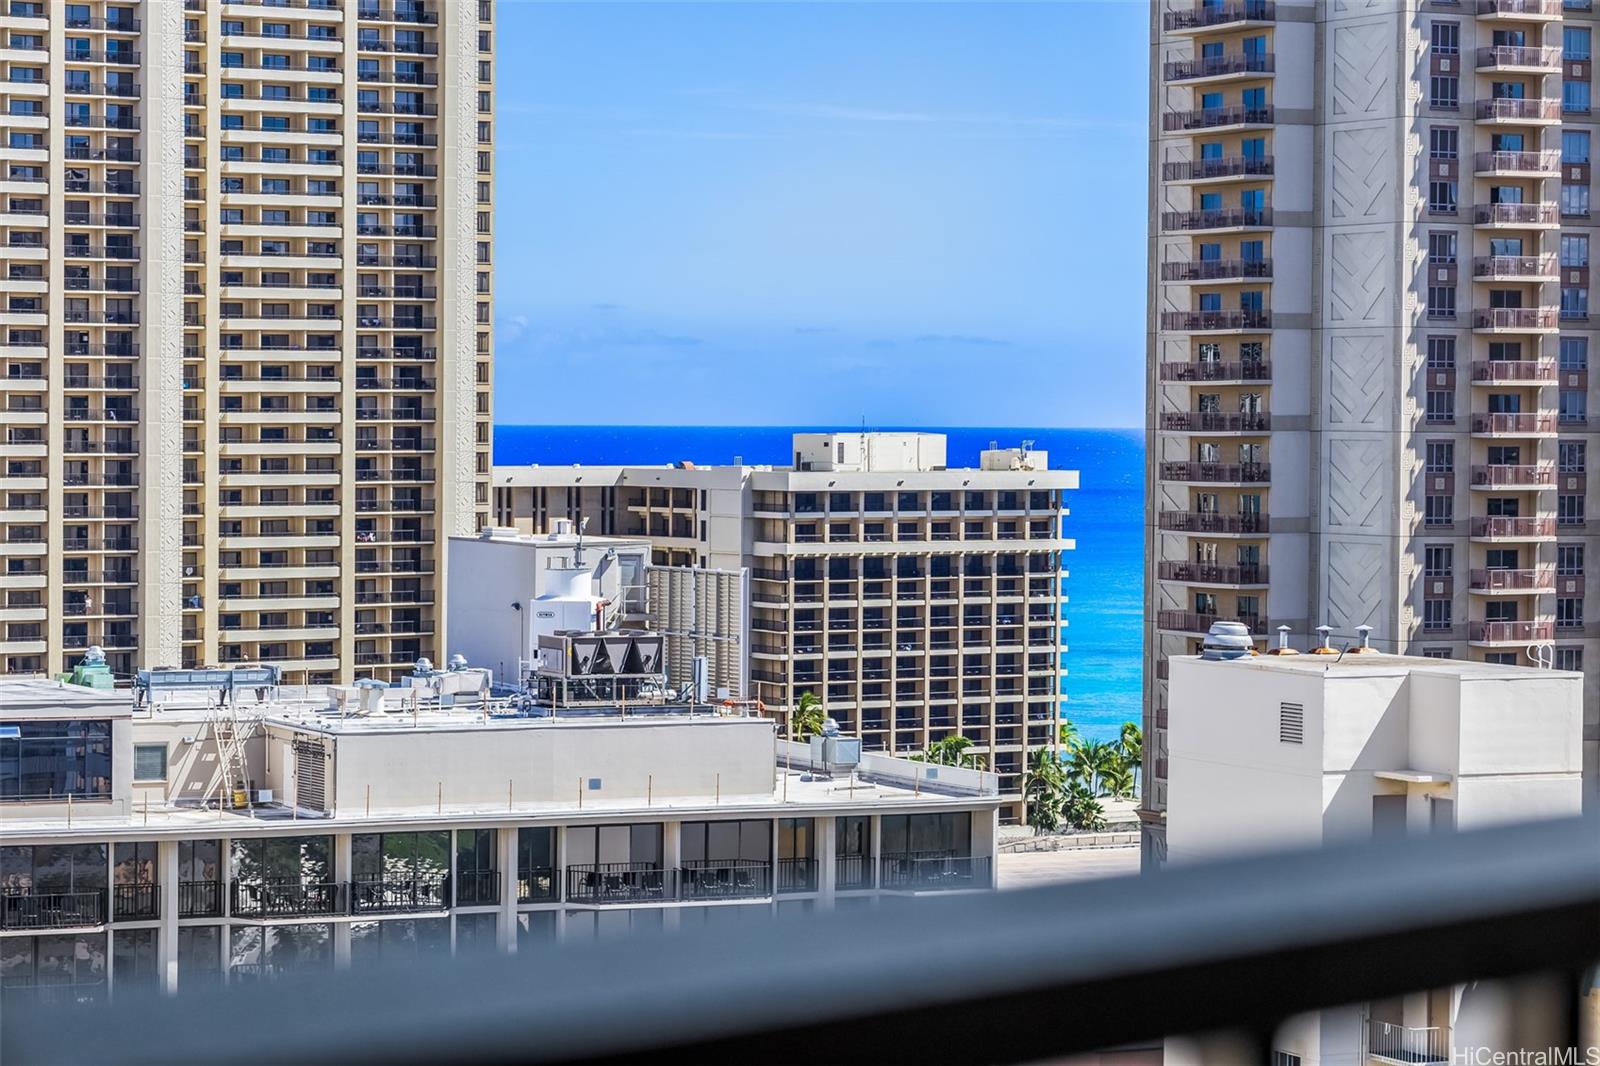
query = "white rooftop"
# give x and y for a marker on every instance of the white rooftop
(1379, 664)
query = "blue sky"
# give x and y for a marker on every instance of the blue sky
(764, 213)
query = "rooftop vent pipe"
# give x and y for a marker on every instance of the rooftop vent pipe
(1283, 643)
(1227, 640)
(1326, 648)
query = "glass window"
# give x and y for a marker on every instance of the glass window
(946, 833)
(1574, 146)
(304, 859)
(1574, 43)
(749, 839)
(149, 762)
(45, 760)
(199, 954)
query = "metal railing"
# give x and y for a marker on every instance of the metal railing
(478, 888)
(135, 902)
(924, 871)
(199, 899)
(395, 897)
(1138, 958)
(52, 910)
(288, 899)
(620, 882)
(853, 871)
(797, 875)
(724, 879)
(1407, 1043)
(537, 884)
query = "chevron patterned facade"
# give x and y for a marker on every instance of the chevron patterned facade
(1369, 333)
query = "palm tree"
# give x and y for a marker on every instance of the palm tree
(1081, 809)
(952, 751)
(1089, 761)
(1068, 735)
(1118, 780)
(1043, 788)
(806, 717)
(1131, 744)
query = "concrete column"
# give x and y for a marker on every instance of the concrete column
(506, 858)
(225, 888)
(167, 939)
(826, 848)
(985, 838)
(672, 845)
(342, 865)
(875, 858)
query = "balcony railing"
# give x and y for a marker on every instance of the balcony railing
(1501, 56)
(1216, 66)
(199, 899)
(927, 871)
(1506, 475)
(1206, 321)
(536, 884)
(1207, 15)
(717, 879)
(1540, 214)
(1211, 573)
(1512, 318)
(1508, 370)
(852, 872)
(1193, 622)
(1514, 266)
(1218, 218)
(52, 910)
(1510, 632)
(1251, 370)
(1519, 110)
(1220, 473)
(1407, 1043)
(1206, 118)
(1209, 522)
(1216, 269)
(1513, 580)
(1215, 422)
(1545, 8)
(1234, 166)
(1513, 424)
(797, 875)
(620, 882)
(288, 899)
(1513, 528)
(396, 897)
(136, 902)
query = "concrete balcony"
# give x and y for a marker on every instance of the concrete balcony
(1237, 321)
(1210, 573)
(1512, 529)
(1192, 622)
(1516, 164)
(1226, 168)
(1513, 425)
(1514, 268)
(1513, 371)
(1520, 60)
(1519, 10)
(1492, 634)
(1237, 15)
(1217, 270)
(1537, 109)
(1217, 473)
(1223, 118)
(1490, 582)
(1214, 422)
(1498, 476)
(1515, 320)
(1255, 370)
(1213, 524)
(1220, 68)
(1227, 218)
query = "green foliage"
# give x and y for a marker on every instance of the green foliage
(1081, 810)
(1044, 789)
(806, 718)
(952, 751)
(1118, 781)
(1131, 744)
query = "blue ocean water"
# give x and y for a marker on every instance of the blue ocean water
(1106, 582)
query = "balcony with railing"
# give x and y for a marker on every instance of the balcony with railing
(136, 902)
(1210, 573)
(1510, 632)
(1512, 425)
(1194, 622)
(1249, 370)
(797, 875)
(1216, 270)
(709, 879)
(1237, 64)
(1533, 214)
(1501, 527)
(1206, 16)
(1221, 168)
(1213, 523)
(1215, 422)
(1514, 58)
(1507, 371)
(288, 899)
(537, 884)
(1211, 118)
(52, 910)
(1515, 319)
(1236, 321)
(1514, 267)
(933, 871)
(1542, 579)
(377, 896)
(1217, 473)
(1519, 9)
(1220, 218)
(1518, 109)
(199, 899)
(621, 882)
(1409, 1044)
(1513, 476)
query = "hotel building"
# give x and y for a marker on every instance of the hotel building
(245, 251)
(371, 834)
(915, 600)
(1369, 333)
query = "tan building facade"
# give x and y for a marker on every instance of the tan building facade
(246, 338)
(1369, 332)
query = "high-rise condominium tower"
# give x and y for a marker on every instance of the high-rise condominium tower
(245, 254)
(1369, 332)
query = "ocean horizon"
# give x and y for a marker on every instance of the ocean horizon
(1105, 582)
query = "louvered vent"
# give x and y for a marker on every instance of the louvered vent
(1291, 723)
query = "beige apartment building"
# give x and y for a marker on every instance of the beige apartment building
(917, 601)
(245, 254)
(1369, 333)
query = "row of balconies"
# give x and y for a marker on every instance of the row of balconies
(1215, 422)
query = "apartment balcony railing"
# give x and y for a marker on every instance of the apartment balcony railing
(1194, 622)
(1216, 269)
(919, 871)
(288, 899)
(536, 884)
(1539, 580)
(1210, 573)
(1207, 118)
(396, 897)
(136, 902)
(1237, 166)
(1524, 109)
(1510, 632)
(1205, 16)
(1515, 318)
(1217, 66)
(1517, 215)
(1513, 528)
(853, 872)
(1495, 371)
(1530, 267)
(1251, 370)
(797, 875)
(1513, 476)
(716, 879)
(1536, 8)
(1407, 1043)
(1212, 321)
(1501, 57)
(1219, 218)
(1219, 473)
(1210, 522)
(1513, 424)
(1215, 422)
(199, 899)
(620, 882)
(52, 910)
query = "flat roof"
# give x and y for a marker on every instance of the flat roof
(1378, 664)
(953, 477)
(39, 697)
